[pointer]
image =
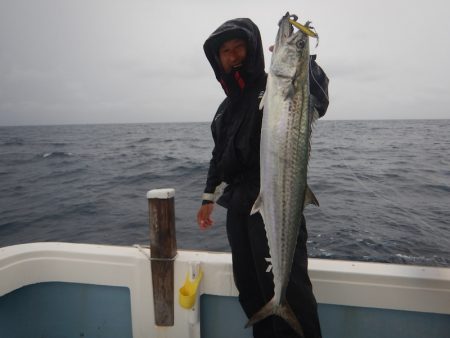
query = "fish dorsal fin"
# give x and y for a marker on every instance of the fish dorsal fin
(310, 198)
(313, 118)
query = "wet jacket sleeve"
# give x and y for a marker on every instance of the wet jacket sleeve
(318, 84)
(213, 179)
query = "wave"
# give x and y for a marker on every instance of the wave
(144, 140)
(134, 179)
(14, 142)
(57, 154)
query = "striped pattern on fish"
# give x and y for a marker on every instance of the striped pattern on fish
(285, 147)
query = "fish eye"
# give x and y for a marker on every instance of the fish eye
(300, 44)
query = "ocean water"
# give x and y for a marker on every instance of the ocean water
(383, 187)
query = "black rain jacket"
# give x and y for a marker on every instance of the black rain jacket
(236, 128)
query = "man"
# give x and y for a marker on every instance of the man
(235, 53)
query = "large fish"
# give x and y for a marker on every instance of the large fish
(285, 146)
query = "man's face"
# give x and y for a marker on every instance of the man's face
(232, 53)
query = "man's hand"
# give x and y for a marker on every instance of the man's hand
(204, 216)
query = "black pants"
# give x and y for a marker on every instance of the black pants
(249, 249)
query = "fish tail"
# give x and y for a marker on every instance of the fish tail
(282, 310)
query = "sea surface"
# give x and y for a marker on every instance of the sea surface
(383, 187)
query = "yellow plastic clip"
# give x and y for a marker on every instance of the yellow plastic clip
(304, 29)
(188, 292)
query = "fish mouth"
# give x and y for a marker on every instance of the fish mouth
(287, 17)
(286, 29)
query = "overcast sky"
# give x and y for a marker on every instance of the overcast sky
(126, 61)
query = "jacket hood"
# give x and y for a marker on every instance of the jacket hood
(253, 66)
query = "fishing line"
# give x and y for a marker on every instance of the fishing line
(361, 183)
(398, 205)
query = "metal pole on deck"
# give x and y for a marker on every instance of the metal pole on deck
(163, 249)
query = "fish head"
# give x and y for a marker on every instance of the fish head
(291, 49)
(284, 31)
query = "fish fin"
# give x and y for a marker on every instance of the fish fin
(315, 116)
(270, 266)
(310, 198)
(263, 100)
(266, 311)
(290, 92)
(312, 120)
(314, 113)
(257, 205)
(282, 310)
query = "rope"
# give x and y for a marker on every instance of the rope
(137, 246)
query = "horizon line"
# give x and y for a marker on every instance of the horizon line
(186, 122)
